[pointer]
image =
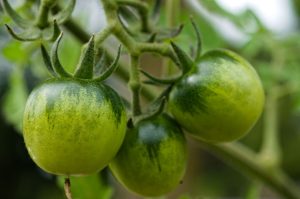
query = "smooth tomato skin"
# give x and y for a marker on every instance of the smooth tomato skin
(152, 159)
(220, 99)
(73, 127)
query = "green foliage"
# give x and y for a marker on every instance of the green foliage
(15, 99)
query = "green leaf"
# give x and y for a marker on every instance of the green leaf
(15, 99)
(15, 52)
(88, 187)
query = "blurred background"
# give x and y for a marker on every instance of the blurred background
(265, 32)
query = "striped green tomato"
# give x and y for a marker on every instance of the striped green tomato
(220, 99)
(152, 159)
(73, 126)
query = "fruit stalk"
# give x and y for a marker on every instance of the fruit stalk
(68, 188)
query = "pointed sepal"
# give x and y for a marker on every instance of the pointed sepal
(156, 10)
(199, 40)
(21, 22)
(111, 68)
(65, 14)
(55, 32)
(152, 38)
(155, 80)
(103, 61)
(58, 68)
(185, 61)
(85, 68)
(27, 35)
(169, 34)
(47, 61)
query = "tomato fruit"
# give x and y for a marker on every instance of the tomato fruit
(73, 126)
(152, 159)
(219, 99)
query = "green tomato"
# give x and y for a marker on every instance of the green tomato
(152, 159)
(220, 99)
(73, 127)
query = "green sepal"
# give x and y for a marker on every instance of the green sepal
(199, 40)
(23, 23)
(111, 68)
(156, 10)
(55, 32)
(185, 61)
(155, 80)
(64, 15)
(98, 69)
(152, 38)
(155, 110)
(58, 68)
(47, 61)
(85, 68)
(170, 33)
(127, 14)
(27, 35)
(126, 27)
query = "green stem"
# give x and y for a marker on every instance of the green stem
(121, 71)
(241, 157)
(173, 12)
(254, 190)
(270, 154)
(135, 85)
(101, 36)
(42, 18)
(143, 11)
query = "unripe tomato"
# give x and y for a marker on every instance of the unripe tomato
(73, 126)
(220, 99)
(152, 159)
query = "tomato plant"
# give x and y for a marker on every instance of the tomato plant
(220, 99)
(152, 159)
(76, 124)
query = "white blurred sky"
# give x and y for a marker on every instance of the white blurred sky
(277, 15)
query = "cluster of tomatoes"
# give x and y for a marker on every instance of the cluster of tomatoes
(76, 125)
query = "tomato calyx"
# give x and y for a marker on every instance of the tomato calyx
(85, 67)
(44, 27)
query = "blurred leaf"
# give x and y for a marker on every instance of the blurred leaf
(15, 99)
(246, 20)
(5, 71)
(15, 52)
(88, 187)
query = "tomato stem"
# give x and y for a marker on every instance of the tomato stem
(68, 188)
(43, 15)
(135, 86)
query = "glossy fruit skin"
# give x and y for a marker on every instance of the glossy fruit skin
(220, 99)
(152, 159)
(73, 127)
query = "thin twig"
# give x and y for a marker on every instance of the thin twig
(68, 188)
